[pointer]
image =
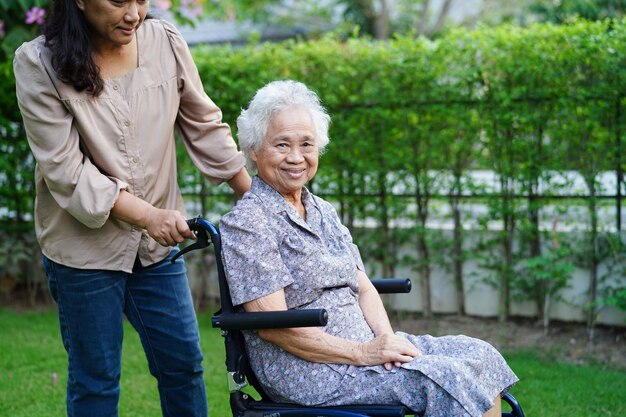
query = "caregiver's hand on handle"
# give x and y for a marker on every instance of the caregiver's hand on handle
(167, 227)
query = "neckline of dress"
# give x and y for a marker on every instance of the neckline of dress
(129, 74)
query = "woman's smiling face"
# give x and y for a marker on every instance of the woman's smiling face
(113, 22)
(288, 157)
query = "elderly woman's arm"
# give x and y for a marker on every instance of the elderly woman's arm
(375, 314)
(315, 345)
(241, 182)
(372, 306)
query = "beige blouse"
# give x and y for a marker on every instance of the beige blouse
(88, 149)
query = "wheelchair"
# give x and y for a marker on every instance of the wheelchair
(239, 374)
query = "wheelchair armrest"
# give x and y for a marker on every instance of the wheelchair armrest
(270, 319)
(392, 285)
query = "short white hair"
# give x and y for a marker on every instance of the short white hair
(270, 100)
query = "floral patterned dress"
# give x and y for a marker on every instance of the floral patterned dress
(268, 246)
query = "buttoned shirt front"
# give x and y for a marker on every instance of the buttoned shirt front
(89, 148)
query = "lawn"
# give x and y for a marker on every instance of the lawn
(31, 352)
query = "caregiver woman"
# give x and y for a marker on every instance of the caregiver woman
(100, 94)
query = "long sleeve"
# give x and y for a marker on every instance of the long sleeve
(72, 179)
(207, 139)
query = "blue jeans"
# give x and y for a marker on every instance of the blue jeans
(157, 302)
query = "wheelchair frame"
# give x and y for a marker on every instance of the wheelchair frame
(239, 373)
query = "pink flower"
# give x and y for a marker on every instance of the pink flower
(163, 4)
(35, 15)
(2, 29)
(191, 8)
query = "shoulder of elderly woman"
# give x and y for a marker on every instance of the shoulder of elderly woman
(324, 205)
(249, 206)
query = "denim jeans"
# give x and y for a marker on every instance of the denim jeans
(157, 302)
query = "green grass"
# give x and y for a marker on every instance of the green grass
(31, 351)
(550, 388)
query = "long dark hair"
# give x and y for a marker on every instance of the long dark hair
(67, 36)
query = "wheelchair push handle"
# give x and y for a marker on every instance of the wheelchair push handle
(199, 227)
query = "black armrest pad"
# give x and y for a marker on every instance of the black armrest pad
(271, 319)
(392, 285)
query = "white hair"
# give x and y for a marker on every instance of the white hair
(270, 100)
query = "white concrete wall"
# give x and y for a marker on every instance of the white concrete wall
(481, 299)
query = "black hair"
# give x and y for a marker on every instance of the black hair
(66, 34)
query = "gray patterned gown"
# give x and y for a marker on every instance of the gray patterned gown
(268, 246)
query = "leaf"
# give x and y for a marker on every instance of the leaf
(25, 4)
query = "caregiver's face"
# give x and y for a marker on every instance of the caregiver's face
(113, 23)
(288, 157)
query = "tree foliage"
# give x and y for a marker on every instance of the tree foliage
(525, 103)
(414, 119)
(563, 10)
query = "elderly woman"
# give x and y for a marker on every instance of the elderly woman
(285, 248)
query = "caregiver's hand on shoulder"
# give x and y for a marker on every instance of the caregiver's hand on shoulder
(167, 227)
(388, 350)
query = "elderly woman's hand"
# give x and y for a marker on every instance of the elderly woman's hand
(388, 350)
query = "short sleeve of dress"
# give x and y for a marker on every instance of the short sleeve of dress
(330, 213)
(250, 251)
(354, 249)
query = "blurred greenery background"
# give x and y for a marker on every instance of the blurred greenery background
(426, 96)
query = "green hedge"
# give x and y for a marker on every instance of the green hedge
(412, 117)
(522, 102)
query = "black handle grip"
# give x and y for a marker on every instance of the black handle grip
(271, 319)
(202, 238)
(392, 286)
(195, 225)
